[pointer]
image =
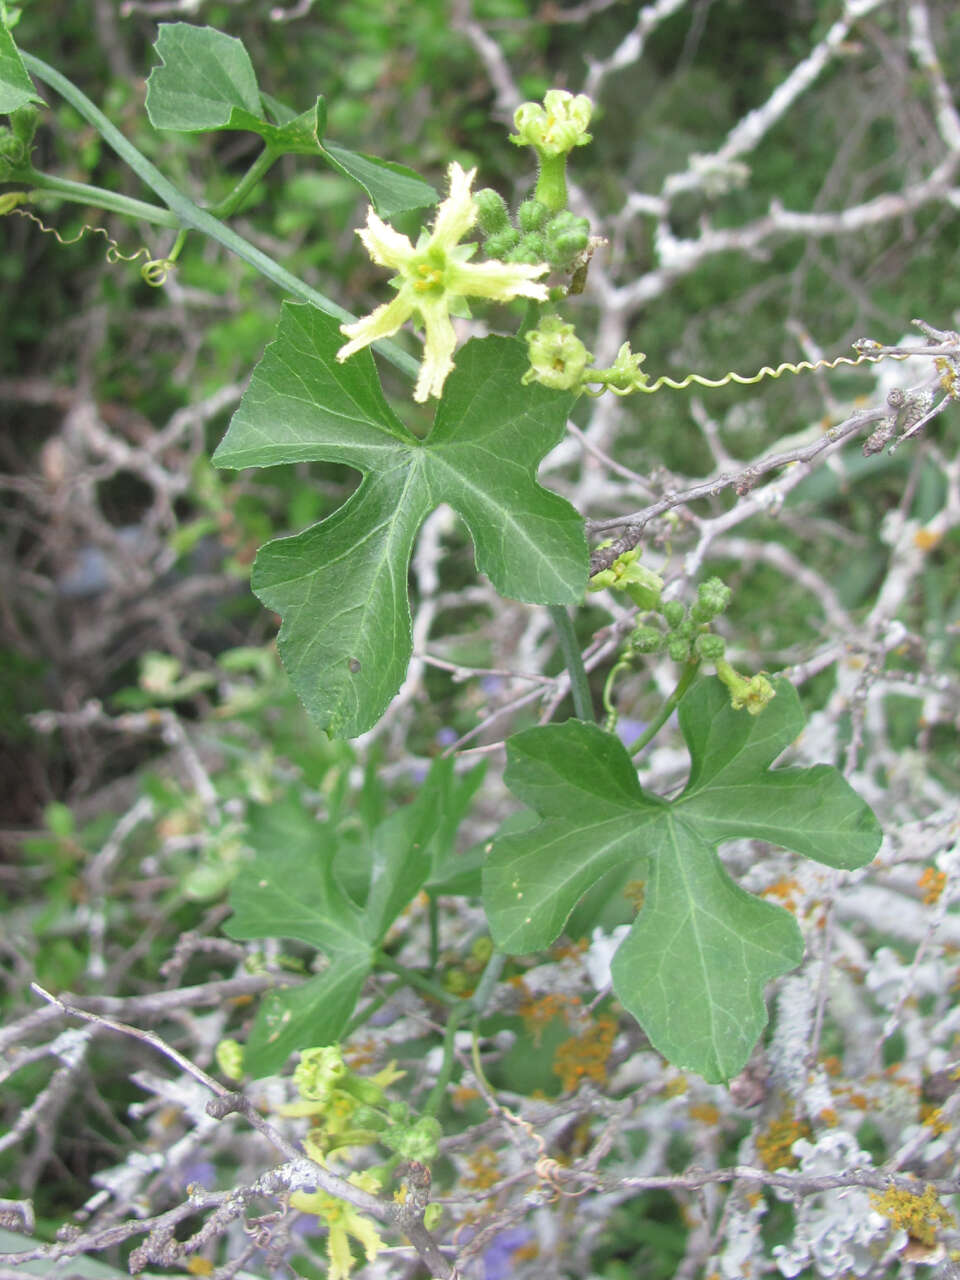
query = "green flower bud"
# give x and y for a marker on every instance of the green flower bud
(492, 214)
(524, 253)
(557, 356)
(710, 647)
(398, 1112)
(624, 374)
(562, 250)
(229, 1058)
(536, 243)
(713, 596)
(417, 1141)
(532, 215)
(678, 648)
(673, 612)
(501, 242)
(646, 640)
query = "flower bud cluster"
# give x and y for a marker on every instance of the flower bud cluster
(685, 635)
(536, 235)
(349, 1109)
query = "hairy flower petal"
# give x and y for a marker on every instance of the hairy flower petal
(457, 214)
(435, 278)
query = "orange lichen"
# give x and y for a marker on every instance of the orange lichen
(676, 1087)
(538, 1013)
(584, 1057)
(920, 1215)
(774, 1145)
(360, 1055)
(463, 1094)
(705, 1112)
(828, 1117)
(786, 890)
(200, 1266)
(832, 1065)
(932, 882)
(569, 950)
(484, 1166)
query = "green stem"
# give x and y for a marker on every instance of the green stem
(573, 660)
(433, 919)
(414, 979)
(367, 1012)
(191, 215)
(683, 684)
(473, 1007)
(439, 1090)
(231, 203)
(552, 182)
(83, 193)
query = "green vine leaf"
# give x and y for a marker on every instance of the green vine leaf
(693, 967)
(206, 81)
(341, 586)
(296, 887)
(16, 87)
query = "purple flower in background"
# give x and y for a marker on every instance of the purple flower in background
(498, 1260)
(446, 737)
(629, 730)
(200, 1172)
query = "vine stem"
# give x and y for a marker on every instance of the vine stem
(473, 1007)
(414, 979)
(191, 215)
(666, 711)
(113, 201)
(231, 203)
(573, 660)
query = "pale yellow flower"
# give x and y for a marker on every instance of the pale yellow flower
(433, 280)
(342, 1221)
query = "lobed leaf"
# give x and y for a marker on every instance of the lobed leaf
(292, 889)
(341, 586)
(206, 81)
(692, 969)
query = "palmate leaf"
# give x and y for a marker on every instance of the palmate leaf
(206, 81)
(341, 586)
(293, 889)
(693, 967)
